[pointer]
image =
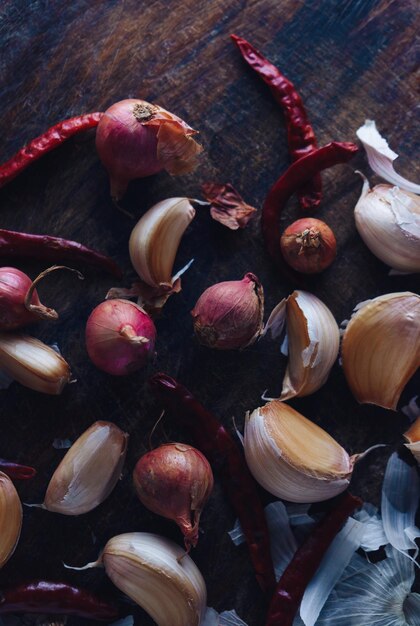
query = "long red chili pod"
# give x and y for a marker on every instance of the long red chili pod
(16, 471)
(46, 142)
(296, 577)
(43, 596)
(55, 249)
(215, 442)
(300, 134)
(301, 170)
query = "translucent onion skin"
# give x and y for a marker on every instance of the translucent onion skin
(120, 337)
(14, 286)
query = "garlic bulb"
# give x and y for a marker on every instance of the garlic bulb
(313, 342)
(155, 239)
(381, 348)
(33, 364)
(89, 471)
(158, 575)
(412, 435)
(388, 221)
(10, 518)
(293, 458)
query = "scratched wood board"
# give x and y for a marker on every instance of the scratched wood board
(351, 60)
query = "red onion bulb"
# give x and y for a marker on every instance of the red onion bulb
(175, 481)
(135, 139)
(120, 337)
(308, 245)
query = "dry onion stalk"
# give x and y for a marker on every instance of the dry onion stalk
(381, 348)
(293, 458)
(10, 518)
(313, 342)
(158, 575)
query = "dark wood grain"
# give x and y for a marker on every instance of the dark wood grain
(351, 60)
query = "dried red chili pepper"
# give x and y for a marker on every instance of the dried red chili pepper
(46, 142)
(43, 596)
(44, 247)
(292, 584)
(301, 137)
(301, 170)
(16, 471)
(215, 442)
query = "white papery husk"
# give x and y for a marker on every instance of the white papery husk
(388, 221)
(381, 157)
(293, 458)
(412, 435)
(226, 618)
(381, 348)
(399, 503)
(312, 342)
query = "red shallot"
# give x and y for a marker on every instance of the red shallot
(308, 245)
(229, 315)
(19, 301)
(175, 481)
(120, 337)
(135, 139)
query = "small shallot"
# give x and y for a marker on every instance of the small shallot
(135, 139)
(308, 245)
(175, 481)
(229, 315)
(120, 337)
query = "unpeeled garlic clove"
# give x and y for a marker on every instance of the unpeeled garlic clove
(412, 435)
(155, 239)
(293, 458)
(388, 221)
(381, 348)
(313, 342)
(10, 518)
(33, 364)
(158, 575)
(89, 471)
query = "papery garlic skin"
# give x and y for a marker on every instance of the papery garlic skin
(293, 458)
(313, 342)
(89, 471)
(388, 221)
(33, 364)
(412, 436)
(10, 518)
(381, 348)
(158, 575)
(155, 239)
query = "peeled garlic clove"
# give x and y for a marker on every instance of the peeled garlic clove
(293, 458)
(313, 342)
(89, 471)
(158, 575)
(381, 348)
(33, 364)
(10, 518)
(412, 435)
(388, 221)
(155, 239)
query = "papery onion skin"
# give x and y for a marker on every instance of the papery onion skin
(308, 245)
(120, 337)
(229, 315)
(14, 286)
(135, 139)
(175, 480)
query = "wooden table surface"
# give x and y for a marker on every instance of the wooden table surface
(351, 60)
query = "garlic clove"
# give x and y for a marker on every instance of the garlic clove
(89, 471)
(10, 518)
(158, 575)
(155, 239)
(412, 436)
(388, 221)
(313, 342)
(293, 458)
(381, 348)
(33, 364)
